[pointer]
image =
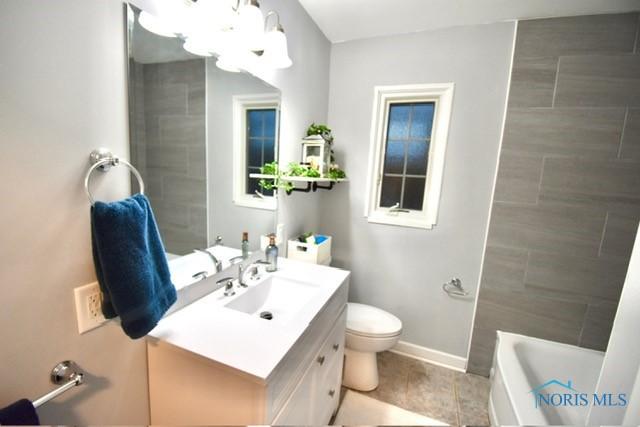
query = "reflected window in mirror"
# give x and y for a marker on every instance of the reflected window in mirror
(256, 143)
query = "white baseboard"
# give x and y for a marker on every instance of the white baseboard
(429, 355)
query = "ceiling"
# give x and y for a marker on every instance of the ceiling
(343, 20)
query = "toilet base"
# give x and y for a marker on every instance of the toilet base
(360, 370)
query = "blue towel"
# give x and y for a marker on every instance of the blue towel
(20, 413)
(131, 264)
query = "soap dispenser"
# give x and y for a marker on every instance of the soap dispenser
(271, 253)
(245, 245)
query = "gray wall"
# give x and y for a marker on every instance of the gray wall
(226, 218)
(175, 148)
(402, 269)
(567, 199)
(305, 94)
(63, 86)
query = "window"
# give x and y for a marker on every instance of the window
(408, 144)
(255, 143)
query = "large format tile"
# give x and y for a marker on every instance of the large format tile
(593, 277)
(165, 99)
(630, 148)
(171, 214)
(598, 81)
(597, 325)
(188, 72)
(197, 98)
(432, 397)
(518, 177)
(533, 82)
(166, 159)
(180, 189)
(504, 268)
(483, 343)
(198, 220)
(573, 132)
(555, 228)
(619, 235)
(183, 130)
(197, 161)
(530, 315)
(604, 183)
(472, 392)
(577, 35)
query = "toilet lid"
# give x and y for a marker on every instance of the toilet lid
(371, 321)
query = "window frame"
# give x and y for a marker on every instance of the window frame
(442, 95)
(241, 104)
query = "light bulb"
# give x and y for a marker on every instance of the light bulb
(276, 52)
(250, 28)
(196, 47)
(225, 63)
(156, 25)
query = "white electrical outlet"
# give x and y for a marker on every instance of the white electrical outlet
(88, 307)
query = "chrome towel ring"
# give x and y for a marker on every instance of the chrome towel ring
(102, 159)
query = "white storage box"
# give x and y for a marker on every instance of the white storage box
(310, 252)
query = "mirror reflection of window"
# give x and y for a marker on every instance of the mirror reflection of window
(260, 141)
(255, 124)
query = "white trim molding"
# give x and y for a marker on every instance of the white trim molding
(429, 355)
(241, 103)
(384, 96)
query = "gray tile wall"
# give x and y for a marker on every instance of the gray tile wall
(567, 198)
(170, 147)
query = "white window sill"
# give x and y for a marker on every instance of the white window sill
(268, 203)
(400, 219)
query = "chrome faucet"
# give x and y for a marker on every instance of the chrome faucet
(215, 260)
(251, 268)
(227, 282)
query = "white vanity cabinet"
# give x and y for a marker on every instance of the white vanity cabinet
(303, 389)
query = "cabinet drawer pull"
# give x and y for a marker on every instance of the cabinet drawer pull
(336, 347)
(332, 392)
(320, 360)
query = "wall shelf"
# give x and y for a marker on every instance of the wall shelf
(313, 184)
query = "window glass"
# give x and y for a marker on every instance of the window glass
(261, 136)
(406, 154)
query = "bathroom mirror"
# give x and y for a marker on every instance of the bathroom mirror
(196, 134)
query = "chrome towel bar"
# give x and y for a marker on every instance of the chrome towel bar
(66, 373)
(102, 159)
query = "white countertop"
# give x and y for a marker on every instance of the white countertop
(241, 341)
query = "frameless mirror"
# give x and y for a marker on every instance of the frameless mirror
(197, 133)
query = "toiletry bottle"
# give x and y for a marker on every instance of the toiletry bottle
(245, 245)
(272, 254)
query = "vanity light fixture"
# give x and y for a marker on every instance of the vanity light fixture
(250, 26)
(237, 34)
(276, 53)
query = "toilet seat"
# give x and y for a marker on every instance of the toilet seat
(367, 321)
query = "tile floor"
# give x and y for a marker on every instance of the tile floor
(453, 397)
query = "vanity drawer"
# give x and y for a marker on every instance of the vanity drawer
(302, 355)
(311, 403)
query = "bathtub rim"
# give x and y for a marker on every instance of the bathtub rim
(506, 354)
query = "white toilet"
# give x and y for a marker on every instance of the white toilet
(369, 330)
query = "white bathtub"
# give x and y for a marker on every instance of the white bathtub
(523, 363)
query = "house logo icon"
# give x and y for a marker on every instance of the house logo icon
(566, 390)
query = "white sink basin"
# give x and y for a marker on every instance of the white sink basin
(280, 299)
(184, 268)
